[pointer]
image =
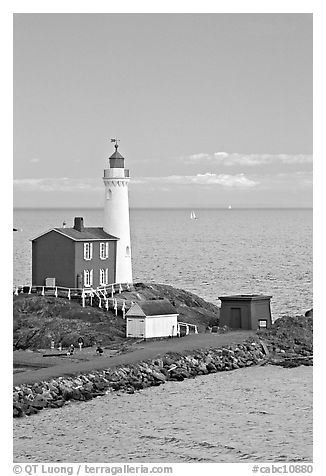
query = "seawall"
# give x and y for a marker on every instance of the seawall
(31, 398)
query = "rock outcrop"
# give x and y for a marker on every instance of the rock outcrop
(39, 319)
(290, 341)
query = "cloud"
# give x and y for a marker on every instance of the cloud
(200, 156)
(221, 154)
(62, 184)
(262, 181)
(298, 180)
(248, 160)
(225, 180)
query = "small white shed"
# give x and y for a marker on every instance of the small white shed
(153, 318)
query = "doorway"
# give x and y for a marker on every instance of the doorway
(235, 318)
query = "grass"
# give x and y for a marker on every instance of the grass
(39, 319)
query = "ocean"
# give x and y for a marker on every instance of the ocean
(247, 415)
(223, 252)
(261, 414)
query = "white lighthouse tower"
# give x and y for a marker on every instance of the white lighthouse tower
(116, 212)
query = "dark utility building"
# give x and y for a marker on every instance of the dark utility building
(74, 257)
(246, 311)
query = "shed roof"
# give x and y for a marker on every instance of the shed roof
(245, 297)
(155, 307)
(89, 234)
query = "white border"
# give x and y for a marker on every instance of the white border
(168, 6)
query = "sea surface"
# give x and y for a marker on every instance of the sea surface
(223, 252)
(257, 414)
(252, 414)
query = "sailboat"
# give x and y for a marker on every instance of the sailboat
(193, 216)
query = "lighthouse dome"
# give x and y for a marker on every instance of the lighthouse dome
(116, 160)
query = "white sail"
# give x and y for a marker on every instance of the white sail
(193, 215)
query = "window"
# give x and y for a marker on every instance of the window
(104, 250)
(88, 251)
(104, 277)
(88, 278)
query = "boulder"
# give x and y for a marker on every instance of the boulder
(37, 389)
(57, 403)
(116, 385)
(164, 371)
(211, 367)
(53, 388)
(138, 385)
(99, 385)
(87, 394)
(66, 393)
(202, 368)
(76, 394)
(177, 374)
(39, 402)
(159, 376)
(47, 395)
(30, 410)
(18, 410)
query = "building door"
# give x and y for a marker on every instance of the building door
(135, 327)
(79, 281)
(235, 318)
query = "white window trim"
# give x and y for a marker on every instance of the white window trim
(88, 251)
(88, 278)
(104, 277)
(104, 255)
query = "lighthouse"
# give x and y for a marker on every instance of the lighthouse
(116, 212)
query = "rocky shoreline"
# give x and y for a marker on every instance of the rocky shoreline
(288, 343)
(30, 399)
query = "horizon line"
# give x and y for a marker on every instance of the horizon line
(188, 207)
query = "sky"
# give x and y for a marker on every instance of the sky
(211, 109)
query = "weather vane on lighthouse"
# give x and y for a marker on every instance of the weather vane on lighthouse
(116, 145)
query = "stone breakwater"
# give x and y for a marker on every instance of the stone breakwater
(29, 399)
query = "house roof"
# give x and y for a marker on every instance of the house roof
(89, 234)
(155, 307)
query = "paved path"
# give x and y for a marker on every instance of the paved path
(140, 352)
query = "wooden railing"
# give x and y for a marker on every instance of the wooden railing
(103, 294)
(187, 327)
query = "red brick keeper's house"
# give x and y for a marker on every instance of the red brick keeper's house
(74, 257)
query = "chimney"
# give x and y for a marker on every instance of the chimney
(79, 224)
